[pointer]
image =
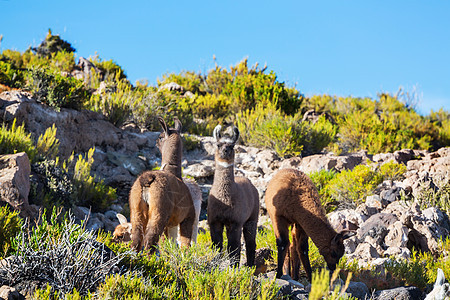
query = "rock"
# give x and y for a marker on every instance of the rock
(9, 293)
(358, 290)
(15, 172)
(285, 286)
(441, 290)
(77, 131)
(397, 235)
(200, 170)
(399, 293)
(376, 227)
(404, 155)
(172, 86)
(261, 256)
(383, 157)
(345, 219)
(364, 252)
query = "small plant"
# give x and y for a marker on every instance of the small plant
(392, 171)
(190, 142)
(10, 225)
(321, 286)
(440, 197)
(15, 139)
(87, 191)
(47, 145)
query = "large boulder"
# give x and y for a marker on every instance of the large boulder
(15, 181)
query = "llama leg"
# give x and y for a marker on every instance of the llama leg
(281, 229)
(155, 229)
(294, 250)
(186, 228)
(138, 226)
(216, 232)
(172, 234)
(197, 206)
(302, 250)
(234, 233)
(249, 231)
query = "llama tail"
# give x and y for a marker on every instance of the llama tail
(147, 178)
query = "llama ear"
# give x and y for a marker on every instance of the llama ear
(216, 132)
(343, 235)
(347, 233)
(235, 136)
(164, 126)
(178, 125)
(122, 219)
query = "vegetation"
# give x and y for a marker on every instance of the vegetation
(268, 113)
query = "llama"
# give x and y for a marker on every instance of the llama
(292, 199)
(158, 200)
(171, 147)
(233, 202)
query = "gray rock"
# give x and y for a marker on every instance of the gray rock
(10, 293)
(400, 293)
(376, 227)
(358, 290)
(15, 172)
(285, 286)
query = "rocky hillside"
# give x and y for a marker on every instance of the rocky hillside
(389, 223)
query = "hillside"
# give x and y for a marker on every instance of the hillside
(76, 133)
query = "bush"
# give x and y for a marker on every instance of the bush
(321, 180)
(267, 127)
(53, 44)
(439, 197)
(56, 90)
(63, 255)
(388, 126)
(10, 225)
(15, 139)
(10, 76)
(393, 171)
(350, 187)
(87, 191)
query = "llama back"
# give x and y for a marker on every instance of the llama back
(292, 188)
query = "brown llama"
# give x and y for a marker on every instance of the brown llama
(292, 199)
(233, 202)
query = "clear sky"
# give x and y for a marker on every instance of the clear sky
(343, 48)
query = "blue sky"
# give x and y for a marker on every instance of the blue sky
(343, 48)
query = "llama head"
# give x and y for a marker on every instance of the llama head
(170, 138)
(225, 146)
(336, 250)
(122, 232)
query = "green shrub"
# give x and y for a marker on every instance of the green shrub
(10, 226)
(10, 76)
(110, 69)
(60, 253)
(350, 187)
(15, 139)
(47, 145)
(321, 179)
(388, 126)
(393, 171)
(53, 44)
(56, 90)
(267, 127)
(321, 286)
(87, 191)
(117, 105)
(427, 196)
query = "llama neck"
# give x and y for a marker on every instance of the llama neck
(223, 181)
(172, 162)
(327, 232)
